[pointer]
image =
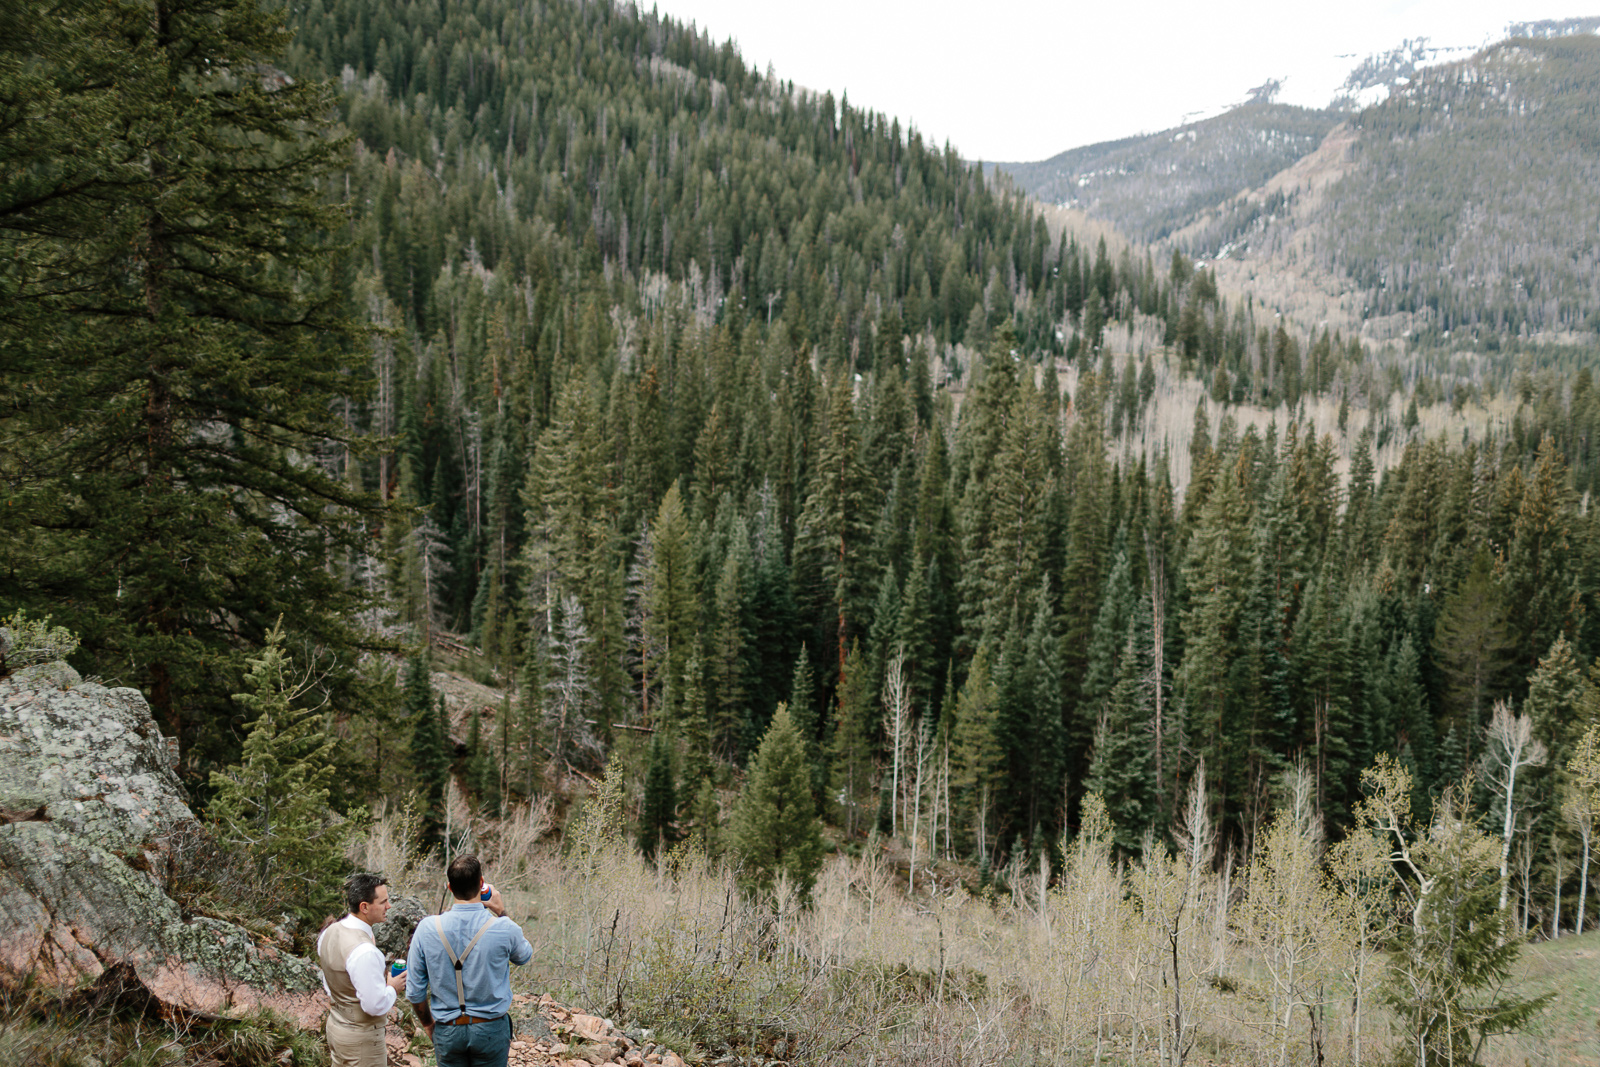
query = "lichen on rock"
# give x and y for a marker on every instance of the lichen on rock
(87, 791)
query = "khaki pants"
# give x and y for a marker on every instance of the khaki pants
(355, 1046)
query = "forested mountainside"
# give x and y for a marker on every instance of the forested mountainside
(1465, 199)
(1458, 203)
(676, 393)
(640, 151)
(1153, 184)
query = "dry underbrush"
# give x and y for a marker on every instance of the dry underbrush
(1163, 961)
(1105, 962)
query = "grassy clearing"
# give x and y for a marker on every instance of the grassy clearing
(1569, 1032)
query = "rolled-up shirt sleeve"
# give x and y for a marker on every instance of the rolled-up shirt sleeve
(365, 967)
(521, 951)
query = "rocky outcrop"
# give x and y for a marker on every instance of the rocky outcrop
(87, 791)
(557, 1036)
(393, 935)
(573, 1039)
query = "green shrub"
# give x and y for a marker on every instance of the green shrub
(25, 641)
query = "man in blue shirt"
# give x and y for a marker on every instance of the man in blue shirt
(458, 975)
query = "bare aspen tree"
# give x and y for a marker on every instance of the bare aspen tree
(1160, 885)
(1158, 642)
(896, 727)
(1197, 842)
(430, 567)
(384, 316)
(571, 693)
(1287, 913)
(1581, 805)
(1359, 865)
(1221, 897)
(1525, 854)
(924, 743)
(1089, 919)
(1558, 875)
(1511, 747)
(1387, 813)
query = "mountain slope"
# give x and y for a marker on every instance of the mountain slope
(1464, 200)
(1152, 184)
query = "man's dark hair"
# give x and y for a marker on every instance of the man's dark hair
(465, 875)
(362, 888)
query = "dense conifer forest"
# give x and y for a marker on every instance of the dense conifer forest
(675, 393)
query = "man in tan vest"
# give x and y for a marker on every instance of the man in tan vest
(353, 974)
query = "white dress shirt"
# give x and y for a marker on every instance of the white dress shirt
(366, 970)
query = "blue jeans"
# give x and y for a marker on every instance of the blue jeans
(473, 1045)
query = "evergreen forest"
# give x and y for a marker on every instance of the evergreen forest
(675, 400)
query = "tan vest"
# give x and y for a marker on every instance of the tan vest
(337, 945)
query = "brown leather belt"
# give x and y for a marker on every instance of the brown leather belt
(463, 1020)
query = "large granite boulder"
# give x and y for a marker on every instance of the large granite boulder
(87, 796)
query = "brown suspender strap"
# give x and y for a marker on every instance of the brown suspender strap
(461, 990)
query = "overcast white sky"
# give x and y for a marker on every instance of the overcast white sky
(1020, 80)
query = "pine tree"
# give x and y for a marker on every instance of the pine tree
(429, 761)
(1560, 698)
(835, 528)
(1538, 570)
(1217, 579)
(273, 803)
(1446, 985)
(1019, 479)
(1320, 688)
(730, 708)
(977, 756)
(1110, 633)
(1122, 768)
(769, 613)
(482, 773)
(803, 711)
(776, 832)
(706, 816)
(668, 603)
(1473, 649)
(659, 811)
(851, 746)
(170, 302)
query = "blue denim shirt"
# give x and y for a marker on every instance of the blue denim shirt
(485, 974)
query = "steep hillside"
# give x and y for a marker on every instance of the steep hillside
(1152, 184)
(1463, 201)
